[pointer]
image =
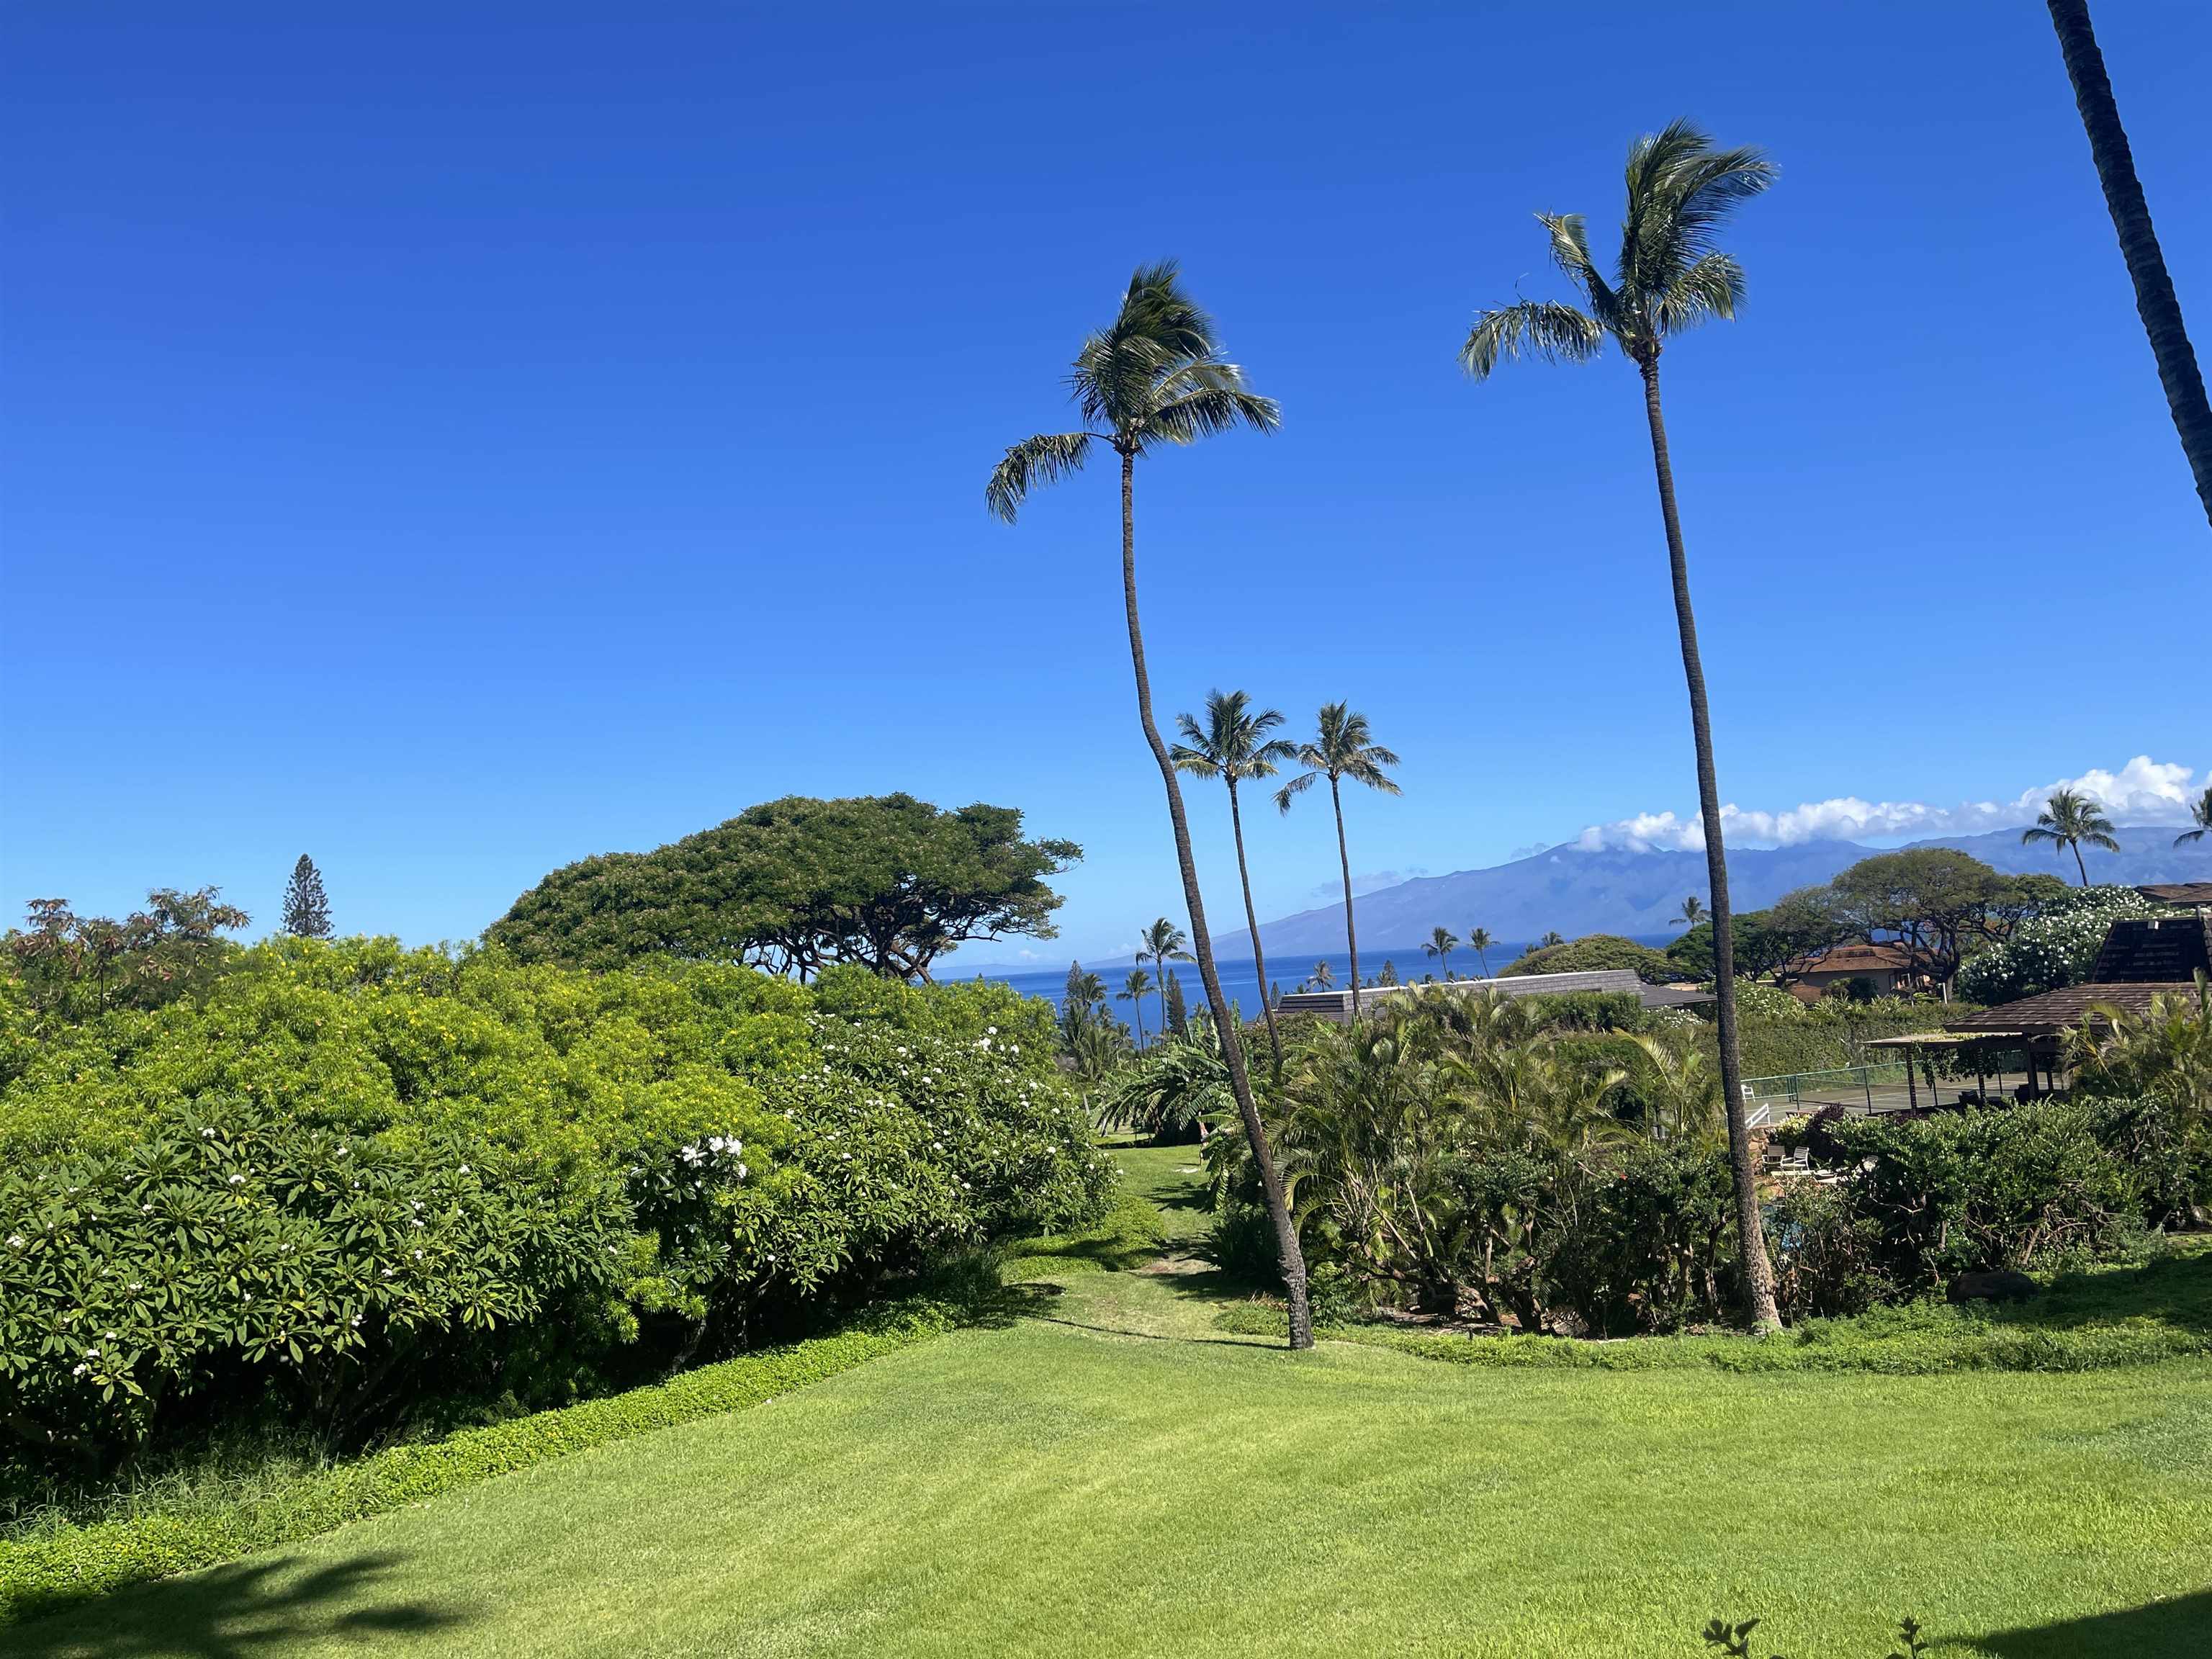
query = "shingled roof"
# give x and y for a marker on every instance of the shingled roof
(2184, 893)
(2063, 1010)
(2162, 950)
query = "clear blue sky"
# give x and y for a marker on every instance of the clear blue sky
(453, 445)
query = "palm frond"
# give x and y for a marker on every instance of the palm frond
(1535, 328)
(1045, 458)
(1202, 412)
(1294, 787)
(1571, 253)
(1680, 191)
(1711, 287)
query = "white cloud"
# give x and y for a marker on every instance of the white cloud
(2144, 791)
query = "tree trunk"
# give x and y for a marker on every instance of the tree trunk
(1288, 1256)
(2154, 300)
(1344, 863)
(1252, 921)
(1758, 1272)
(2080, 863)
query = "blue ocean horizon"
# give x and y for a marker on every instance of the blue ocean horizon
(1240, 975)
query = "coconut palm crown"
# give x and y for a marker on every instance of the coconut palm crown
(2200, 814)
(1669, 276)
(1154, 376)
(2069, 821)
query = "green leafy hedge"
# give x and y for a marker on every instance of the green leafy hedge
(44, 1571)
(2097, 1320)
(232, 1262)
(715, 1158)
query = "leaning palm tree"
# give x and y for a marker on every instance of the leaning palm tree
(1342, 748)
(2200, 814)
(1234, 745)
(1671, 276)
(1153, 376)
(1479, 941)
(1134, 989)
(1441, 944)
(1693, 909)
(2124, 200)
(2069, 821)
(1162, 943)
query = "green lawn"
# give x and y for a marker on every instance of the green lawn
(1112, 1474)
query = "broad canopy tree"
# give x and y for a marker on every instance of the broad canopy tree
(889, 882)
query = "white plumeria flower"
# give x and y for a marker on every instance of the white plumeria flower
(387, 1272)
(16, 1241)
(238, 1181)
(464, 1169)
(418, 1255)
(207, 1134)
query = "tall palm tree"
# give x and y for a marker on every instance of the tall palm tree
(1134, 989)
(1155, 376)
(2124, 200)
(1323, 976)
(2071, 820)
(1162, 943)
(2200, 814)
(1442, 944)
(1550, 938)
(1693, 909)
(1479, 941)
(1234, 745)
(1671, 276)
(1342, 748)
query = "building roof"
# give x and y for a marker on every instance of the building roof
(2178, 892)
(1853, 959)
(2160, 951)
(2063, 1010)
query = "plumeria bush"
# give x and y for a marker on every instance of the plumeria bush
(2055, 949)
(718, 1157)
(259, 1266)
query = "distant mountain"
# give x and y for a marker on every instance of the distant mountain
(1577, 891)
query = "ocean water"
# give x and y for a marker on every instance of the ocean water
(1240, 975)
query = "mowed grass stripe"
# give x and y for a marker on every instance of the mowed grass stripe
(1044, 1488)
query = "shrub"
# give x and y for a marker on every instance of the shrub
(1969, 1191)
(2055, 949)
(758, 1152)
(264, 1260)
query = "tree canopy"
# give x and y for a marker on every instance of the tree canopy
(1593, 952)
(887, 881)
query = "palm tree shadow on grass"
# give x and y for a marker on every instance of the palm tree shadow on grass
(238, 1612)
(2151, 1631)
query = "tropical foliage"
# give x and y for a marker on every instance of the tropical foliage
(612, 1172)
(2070, 821)
(1342, 749)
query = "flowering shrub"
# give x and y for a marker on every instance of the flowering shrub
(257, 1256)
(733, 1154)
(2056, 948)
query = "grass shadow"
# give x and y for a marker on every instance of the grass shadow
(235, 1612)
(2182, 1626)
(2174, 1290)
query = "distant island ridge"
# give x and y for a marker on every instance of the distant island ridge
(1573, 890)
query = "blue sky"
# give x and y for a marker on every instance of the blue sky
(453, 445)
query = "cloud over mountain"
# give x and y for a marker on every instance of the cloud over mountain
(2144, 791)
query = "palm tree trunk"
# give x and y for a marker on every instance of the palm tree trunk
(1344, 863)
(1288, 1255)
(2124, 199)
(2080, 863)
(1758, 1272)
(1252, 921)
